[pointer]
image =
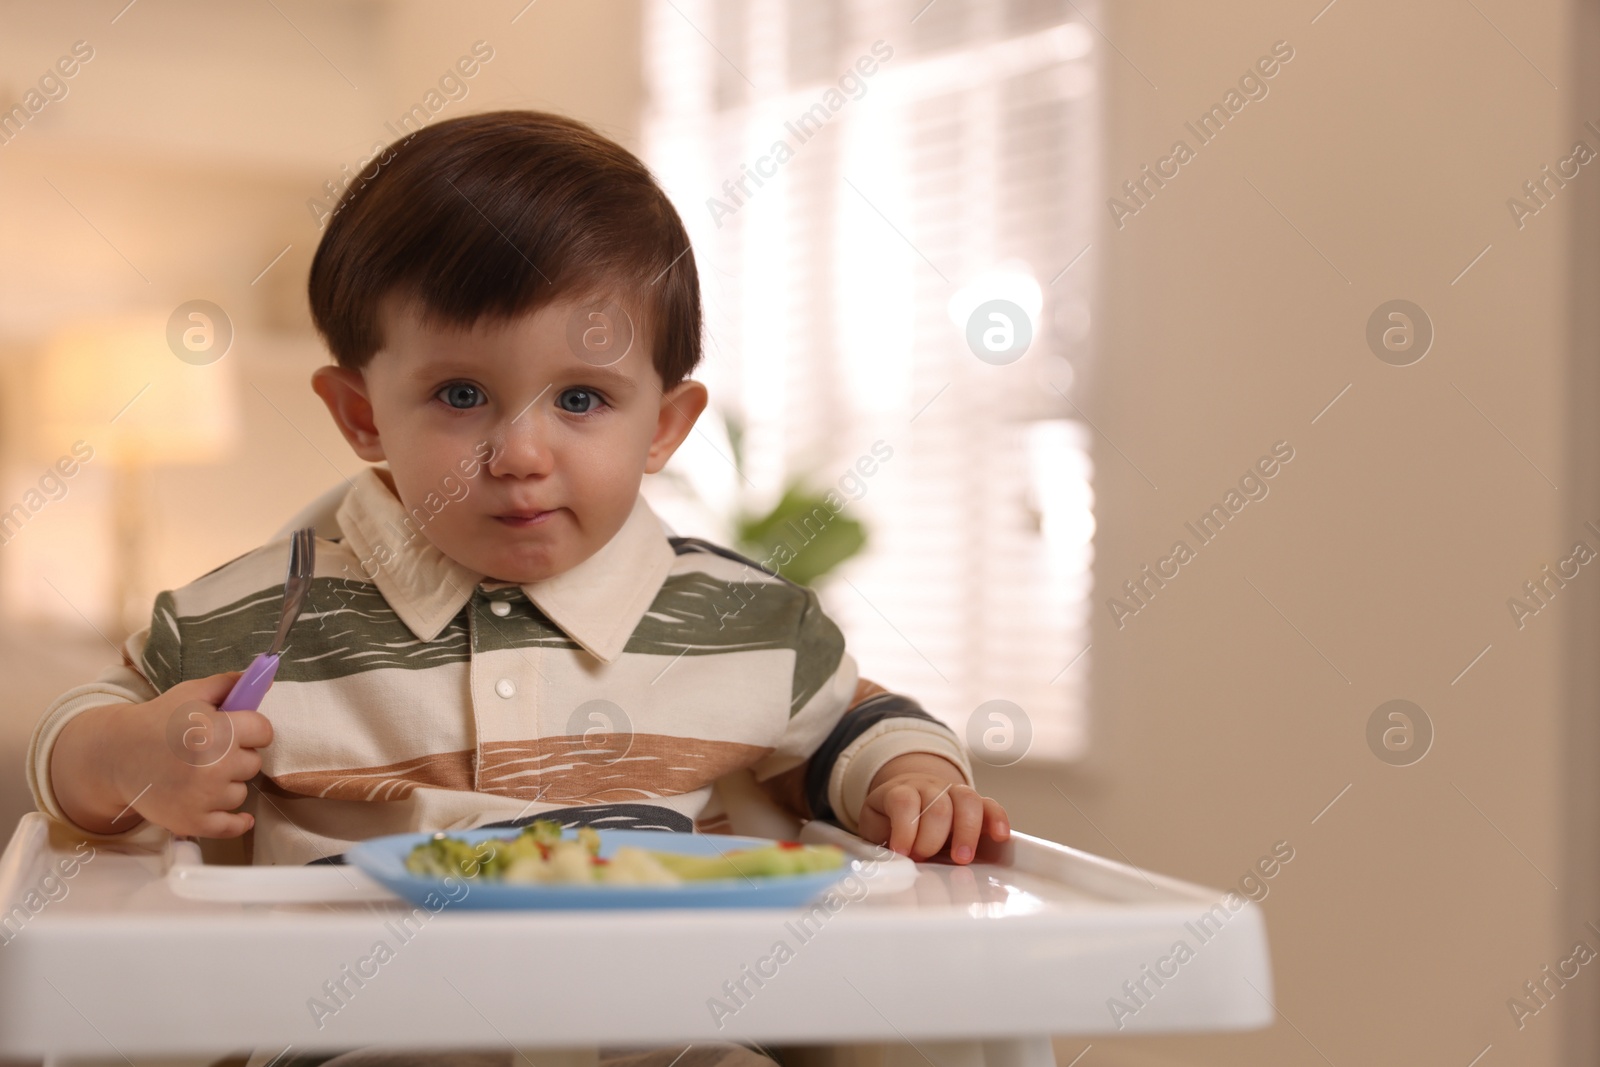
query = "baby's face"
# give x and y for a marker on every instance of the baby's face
(571, 438)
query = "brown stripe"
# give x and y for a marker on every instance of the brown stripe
(573, 769)
(568, 769)
(394, 781)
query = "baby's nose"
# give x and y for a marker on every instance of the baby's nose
(522, 446)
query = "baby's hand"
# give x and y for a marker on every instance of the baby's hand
(918, 802)
(175, 760)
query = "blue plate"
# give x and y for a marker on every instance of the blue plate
(384, 858)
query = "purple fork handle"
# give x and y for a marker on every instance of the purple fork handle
(252, 685)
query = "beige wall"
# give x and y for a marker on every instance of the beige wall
(1390, 543)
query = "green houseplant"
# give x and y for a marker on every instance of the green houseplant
(801, 537)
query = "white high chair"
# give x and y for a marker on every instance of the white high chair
(970, 966)
(143, 951)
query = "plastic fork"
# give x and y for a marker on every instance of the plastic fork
(252, 686)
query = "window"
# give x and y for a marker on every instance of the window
(857, 178)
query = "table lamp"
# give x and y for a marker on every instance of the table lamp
(117, 385)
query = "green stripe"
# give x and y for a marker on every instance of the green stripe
(163, 655)
(818, 653)
(708, 614)
(698, 614)
(348, 627)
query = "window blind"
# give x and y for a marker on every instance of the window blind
(934, 156)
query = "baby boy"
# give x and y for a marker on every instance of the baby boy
(502, 629)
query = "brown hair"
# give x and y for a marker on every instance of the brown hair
(498, 215)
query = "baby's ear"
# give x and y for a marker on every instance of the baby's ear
(345, 392)
(680, 408)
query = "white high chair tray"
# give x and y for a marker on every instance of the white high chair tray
(1034, 939)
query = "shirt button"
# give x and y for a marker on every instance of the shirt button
(501, 608)
(506, 688)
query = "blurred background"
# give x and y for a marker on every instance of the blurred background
(983, 295)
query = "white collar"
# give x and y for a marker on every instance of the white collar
(597, 603)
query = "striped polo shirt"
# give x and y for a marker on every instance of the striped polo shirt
(414, 694)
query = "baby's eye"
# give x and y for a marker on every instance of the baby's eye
(579, 401)
(461, 395)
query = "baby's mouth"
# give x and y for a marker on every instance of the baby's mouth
(522, 518)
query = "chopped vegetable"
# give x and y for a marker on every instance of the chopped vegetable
(541, 854)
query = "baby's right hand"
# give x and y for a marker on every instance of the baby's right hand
(176, 760)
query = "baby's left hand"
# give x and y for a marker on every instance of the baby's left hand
(918, 802)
